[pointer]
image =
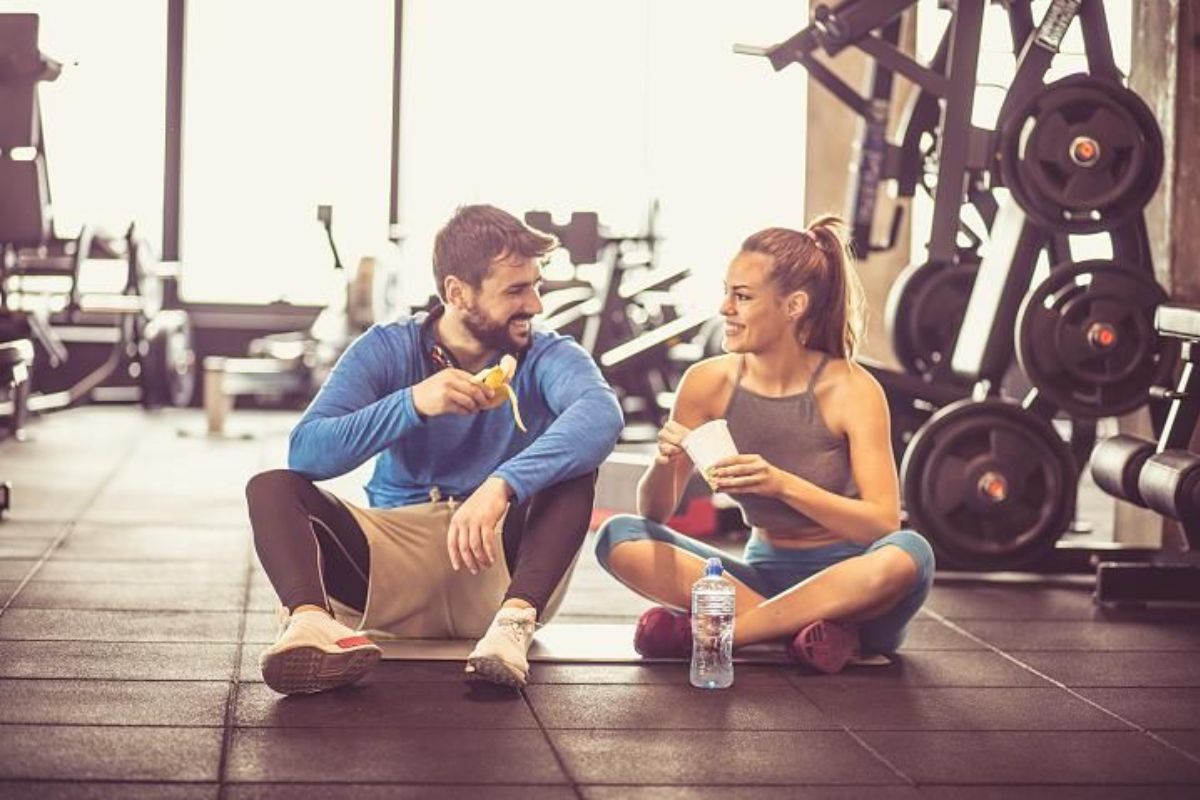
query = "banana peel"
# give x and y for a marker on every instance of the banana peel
(497, 378)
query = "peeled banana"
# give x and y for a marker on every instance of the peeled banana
(497, 378)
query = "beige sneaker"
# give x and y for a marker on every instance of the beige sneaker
(315, 652)
(501, 656)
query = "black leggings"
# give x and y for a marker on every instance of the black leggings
(311, 546)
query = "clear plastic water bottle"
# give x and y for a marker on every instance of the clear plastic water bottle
(713, 599)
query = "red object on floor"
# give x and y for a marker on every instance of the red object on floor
(698, 518)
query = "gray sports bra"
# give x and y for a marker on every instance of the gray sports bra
(790, 433)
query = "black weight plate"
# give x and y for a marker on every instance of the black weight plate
(1062, 334)
(924, 311)
(1040, 144)
(991, 485)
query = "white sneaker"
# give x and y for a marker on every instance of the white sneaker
(316, 652)
(501, 655)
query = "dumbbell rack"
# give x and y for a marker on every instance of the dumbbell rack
(1162, 475)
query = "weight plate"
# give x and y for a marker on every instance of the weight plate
(1082, 155)
(991, 485)
(1086, 338)
(924, 311)
(168, 376)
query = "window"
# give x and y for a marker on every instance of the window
(287, 106)
(103, 116)
(564, 106)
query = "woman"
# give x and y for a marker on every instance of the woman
(826, 564)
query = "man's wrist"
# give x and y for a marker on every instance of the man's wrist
(501, 486)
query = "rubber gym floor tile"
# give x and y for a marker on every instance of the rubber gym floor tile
(929, 634)
(119, 626)
(749, 792)
(262, 627)
(1012, 602)
(15, 569)
(64, 570)
(157, 546)
(392, 705)
(1031, 757)
(1050, 792)
(393, 791)
(718, 757)
(656, 673)
(391, 755)
(60, 790)
(1188, 741)
(1088, 636)
(73, 702)
(24, 547)
(397, 671)
(957, 708)
(1115, 668)
(132, 596)
(928, 668)
(746, 706)
(159, 661)
(1157, 708)
(94, 752)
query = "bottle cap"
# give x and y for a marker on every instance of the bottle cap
(713, 567)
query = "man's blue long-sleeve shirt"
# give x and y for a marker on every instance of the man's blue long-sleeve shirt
(366, 408)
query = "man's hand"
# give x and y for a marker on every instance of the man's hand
(471, 539)
(750, 474)
(670, 441)
(450, 391)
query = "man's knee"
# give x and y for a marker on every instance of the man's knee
(274, 483)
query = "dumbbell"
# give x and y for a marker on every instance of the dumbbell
(1117, 464)
(1169, 483)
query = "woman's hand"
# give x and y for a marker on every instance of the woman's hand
(748, 474)
(670, 441)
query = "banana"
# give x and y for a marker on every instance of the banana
(497, 378)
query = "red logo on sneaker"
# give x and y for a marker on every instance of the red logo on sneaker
(352, 641)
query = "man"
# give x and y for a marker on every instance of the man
(473, 524)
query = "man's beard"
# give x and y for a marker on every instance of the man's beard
(494, 335)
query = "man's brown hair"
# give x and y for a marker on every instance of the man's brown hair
(475, 236)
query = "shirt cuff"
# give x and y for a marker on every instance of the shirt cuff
(518, 491)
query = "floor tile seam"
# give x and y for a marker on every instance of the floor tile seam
(166, 725)
(549, 740)
(1195, 759)
(235, 675)
(69, 525)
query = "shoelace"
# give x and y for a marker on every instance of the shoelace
(518, 630)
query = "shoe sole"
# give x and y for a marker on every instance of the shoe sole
(496, 671)
(304, 670)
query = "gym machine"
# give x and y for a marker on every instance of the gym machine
(294, 365)
(988, 479)
(40, 297)
(1162, 475)
(625, 315)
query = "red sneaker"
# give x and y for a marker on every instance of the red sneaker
(826, 646)
(662, 633)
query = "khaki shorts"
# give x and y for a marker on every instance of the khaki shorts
(412, 591)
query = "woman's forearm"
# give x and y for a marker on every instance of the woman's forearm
(857, 520)
(657, 494)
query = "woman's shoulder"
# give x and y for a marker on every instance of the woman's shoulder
(706, 385)
(848, 384)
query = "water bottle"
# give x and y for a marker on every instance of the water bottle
(712, 628)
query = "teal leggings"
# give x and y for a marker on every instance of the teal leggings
(772, 570)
